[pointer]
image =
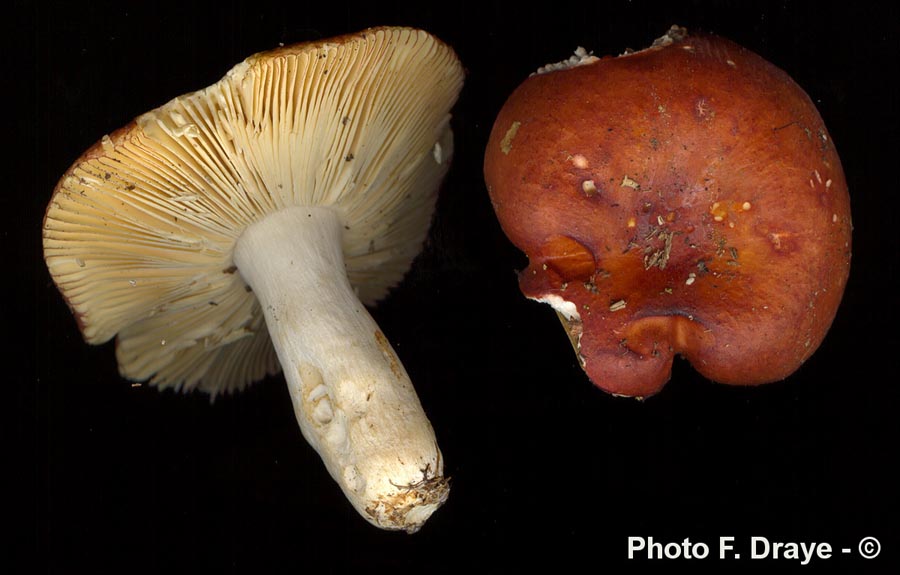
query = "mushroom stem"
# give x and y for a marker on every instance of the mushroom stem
(352, 397)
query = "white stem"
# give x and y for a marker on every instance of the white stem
(352, 397)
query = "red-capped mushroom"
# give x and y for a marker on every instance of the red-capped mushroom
(685, 199)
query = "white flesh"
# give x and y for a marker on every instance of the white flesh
(353, 399)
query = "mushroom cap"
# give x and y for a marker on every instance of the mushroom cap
(684, 199)
(139, 232)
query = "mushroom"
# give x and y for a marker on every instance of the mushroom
(245, 227)
(685, 199)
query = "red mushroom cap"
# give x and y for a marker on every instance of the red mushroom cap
(685, 199)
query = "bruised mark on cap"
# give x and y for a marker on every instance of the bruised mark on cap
(579, 161)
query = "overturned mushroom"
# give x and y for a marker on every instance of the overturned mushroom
(244, 227)
(685, 199)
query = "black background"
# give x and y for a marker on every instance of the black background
(545, 468)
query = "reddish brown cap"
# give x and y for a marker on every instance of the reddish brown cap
(684, 199)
